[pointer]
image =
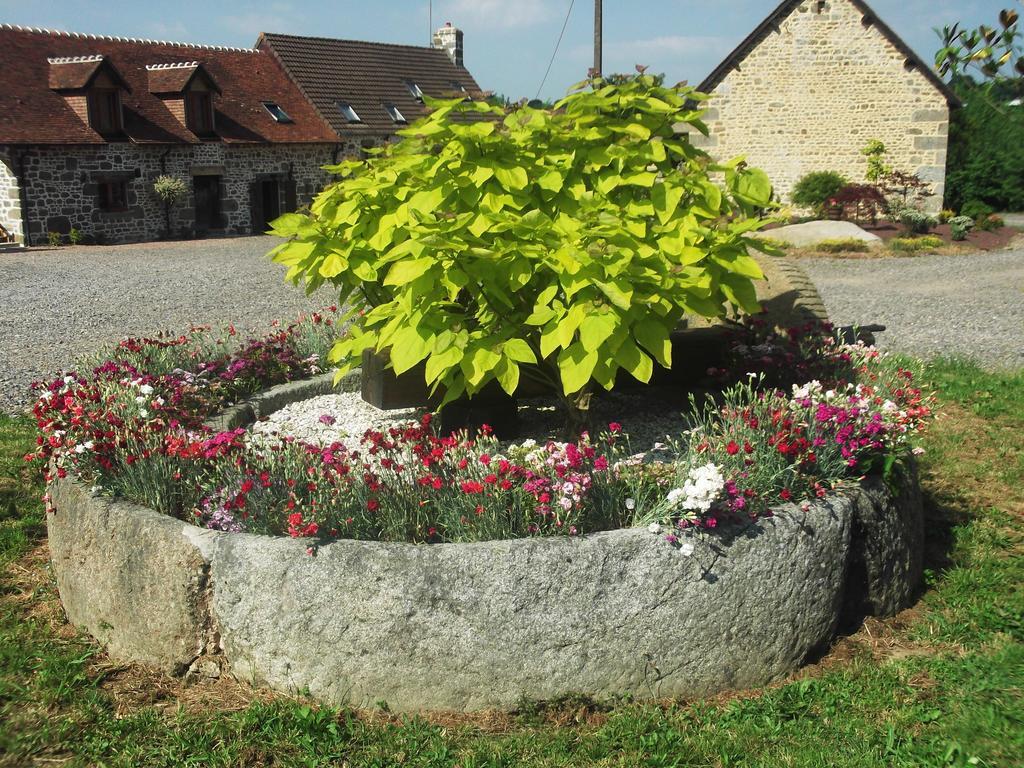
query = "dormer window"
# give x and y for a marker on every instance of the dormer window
(276, 112)
(188, 89)
(105, 115)
(92, 87)
(348, 112)
(199, 112)
(414, 90)
(394, 113)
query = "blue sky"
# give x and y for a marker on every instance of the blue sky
(508, 42)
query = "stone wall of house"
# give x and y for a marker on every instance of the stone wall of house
(814, 91)
(63, 185)
(10, 200)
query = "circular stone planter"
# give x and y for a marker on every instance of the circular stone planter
(473, 626)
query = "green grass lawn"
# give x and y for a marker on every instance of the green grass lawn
(940, 685)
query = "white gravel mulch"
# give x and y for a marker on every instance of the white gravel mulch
(345, 417)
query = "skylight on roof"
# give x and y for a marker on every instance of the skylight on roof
(414, 90)
(348, 112)
(394, 113)
(276, 112)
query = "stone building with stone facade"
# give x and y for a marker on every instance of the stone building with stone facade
(87, 123)
(816, 81)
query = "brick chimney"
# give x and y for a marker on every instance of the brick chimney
(449, 39)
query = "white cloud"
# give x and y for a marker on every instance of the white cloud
(499, 14)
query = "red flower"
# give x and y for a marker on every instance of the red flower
(614, 427)
(372, 505)
(732, 448)
(785, 494)
(485, 459)
(472, 486)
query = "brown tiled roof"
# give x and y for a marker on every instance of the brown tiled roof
(174, 78)
(31, 112)
(366, 75)
(786, 7)
(69, 73)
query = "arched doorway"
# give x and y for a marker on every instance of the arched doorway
(10, 205)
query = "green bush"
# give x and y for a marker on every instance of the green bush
(842, 245)
(959, 226)
(976, 210)
(986, 152)
(75, 236)
(54, 238)
(915, 244)
(917, 222)
(560, 244)
(818, 187)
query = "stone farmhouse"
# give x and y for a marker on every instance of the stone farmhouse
(817, 80)
(88, 122)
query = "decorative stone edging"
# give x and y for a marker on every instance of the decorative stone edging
(489, 624)
(264, 403)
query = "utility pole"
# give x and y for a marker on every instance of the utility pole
(597, 38)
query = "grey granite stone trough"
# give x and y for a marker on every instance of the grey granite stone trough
(473, 626)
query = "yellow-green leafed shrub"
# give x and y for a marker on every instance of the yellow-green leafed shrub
(560, 244)
(842, 245)
(915, 244)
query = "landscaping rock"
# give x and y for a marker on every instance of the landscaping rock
(472, 626)
(813, 232)
(133, 578)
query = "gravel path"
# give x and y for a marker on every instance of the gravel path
(59, 304)
(971, 305)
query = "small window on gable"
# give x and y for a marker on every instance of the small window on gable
(113, 195)
(199, 112)
(276, 112)
(105, 111)
(414, 90)
(348, 112)
(394, 113)
(458, 87)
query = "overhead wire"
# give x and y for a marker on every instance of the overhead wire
(554, 53)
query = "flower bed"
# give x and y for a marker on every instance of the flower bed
(733, 561)
(807, 416)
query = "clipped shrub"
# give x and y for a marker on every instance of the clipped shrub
(959, 227)
(915, 244)
(815, 189)
(946, 215)
(976, 210)
(842, 245)
(917, 222)
(560, 244)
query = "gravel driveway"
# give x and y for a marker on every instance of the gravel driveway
(971, 305)
(60, 304)
(56, 305)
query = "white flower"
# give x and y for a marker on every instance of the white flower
(140, 399)
(144, 413)
(686, 548)
(146, 389)
(528, 444)
(158, 400)
(654, 528)
(702, 487)
(69, 380)
(630, 504)
(675, 495)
